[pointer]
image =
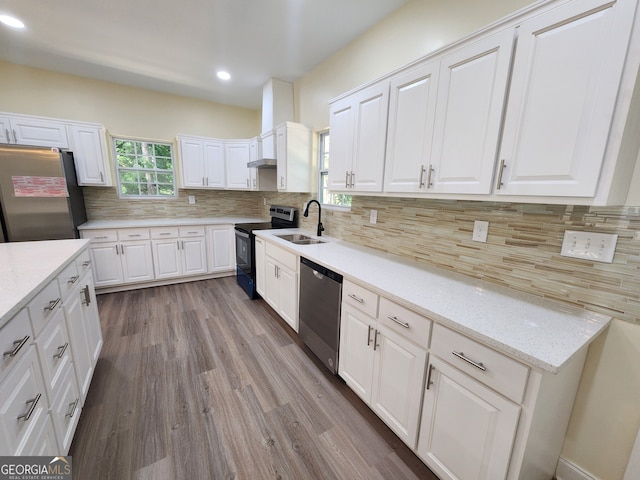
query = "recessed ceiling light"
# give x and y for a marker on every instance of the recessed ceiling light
(222, 75)
(11, 21)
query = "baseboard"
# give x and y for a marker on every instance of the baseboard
(569, 471)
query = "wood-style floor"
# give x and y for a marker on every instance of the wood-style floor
(196, 381)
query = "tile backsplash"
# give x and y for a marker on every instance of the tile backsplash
(522, 249)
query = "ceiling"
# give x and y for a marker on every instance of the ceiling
(176, 46)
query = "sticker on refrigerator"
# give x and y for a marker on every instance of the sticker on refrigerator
(32, 186)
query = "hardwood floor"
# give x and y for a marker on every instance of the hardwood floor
(196, 381)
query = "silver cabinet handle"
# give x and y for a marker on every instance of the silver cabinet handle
(353, 175)
(53, 304)
(15, 138)
(500, 172)
(165, 233)
(429, 382)
(369, 335)
(429, 183)
(73, 406)
(87, 295)
(421, 178)
(203, 184)
(33, 402)
(248, 184)
(192, 233)
(478, 365)
(18, 345)
(61, 350)
(207, 180)
(346, 179)
(73, 279)
(255, 183)
(399, 322)
(375, 340)
(282, 181)
(133, 235)
(122, 248)
(117, 250)
(178, 243)
(101, 177)
(182, 244)
(357, 299)
(86, 263)
(101, 237)
(6, 131)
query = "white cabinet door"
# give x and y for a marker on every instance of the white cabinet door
(90, 155)
(192, 161)
(471, 93)
(221, 253)
(341, 128)
(355, 365)
(137, 262)
(166, 258)
(370, 134)
(271, 286)
(236, 159)
(107, 268)
(261, 267)
(214, 165)
(78, 332)
(93, 328)
(194, 255)
(5, 130)
(65, 411)
(38, 132)
(288, 291)
(412, 109)
(463, 419)
(397, 385)
(564, 86)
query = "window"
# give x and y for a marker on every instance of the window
(144, 169)
(325, 196)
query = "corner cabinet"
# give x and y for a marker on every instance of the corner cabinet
(293, 155)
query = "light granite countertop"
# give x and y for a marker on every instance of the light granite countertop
(540, 332)
(27, 267)
(166, 222)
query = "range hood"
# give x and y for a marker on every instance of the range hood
(277, 108)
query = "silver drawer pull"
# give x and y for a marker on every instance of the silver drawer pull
(375, 340)
(86, 263)
(165, 233)
(478, 365)
(73, 279)
(357, 299)
(192, 233)
(53, 304)
(132, 235)
(33, 402)
(18, 345)
(87, 295)
(399, 322)
(61, 350)
(73, 406)
(369, 335)
(429, 382)
(101, 237)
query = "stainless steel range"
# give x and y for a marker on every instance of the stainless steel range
(281, 217)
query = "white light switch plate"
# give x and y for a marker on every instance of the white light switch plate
(480, 231)
(373, 217)
(597, 247)
(192, 199)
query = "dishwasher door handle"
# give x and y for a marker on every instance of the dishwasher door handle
(318, 275)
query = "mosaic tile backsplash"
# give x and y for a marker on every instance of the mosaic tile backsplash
(522, 249)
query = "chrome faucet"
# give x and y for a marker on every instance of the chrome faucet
(306, 214)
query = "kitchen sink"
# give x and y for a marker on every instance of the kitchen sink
(300, 239)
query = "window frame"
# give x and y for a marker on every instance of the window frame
(119, 169)
(324, 171)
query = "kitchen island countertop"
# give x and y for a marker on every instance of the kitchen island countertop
(27, 267)
(540, 332)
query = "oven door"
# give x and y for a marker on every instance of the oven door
(244, 251)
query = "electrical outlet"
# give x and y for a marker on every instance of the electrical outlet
(192, 199)
(373, 217)
(480, 231)
(597, 247)
(636, 235)
(264, 200)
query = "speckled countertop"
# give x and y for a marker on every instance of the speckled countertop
(540, 332)
(27, 267)
(166, 222)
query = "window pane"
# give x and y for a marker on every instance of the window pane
(164, 164)
(162, 150)
(127, 161)
(128, 177)
(129, 189)
(165, 178)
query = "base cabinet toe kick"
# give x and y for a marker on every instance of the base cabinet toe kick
(50, 350)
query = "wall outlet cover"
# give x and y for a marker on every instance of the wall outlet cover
(192, 199)
(373, 217)
(597, 247)
(480, 231)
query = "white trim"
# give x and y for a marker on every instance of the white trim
(569, 471)
(633, 467)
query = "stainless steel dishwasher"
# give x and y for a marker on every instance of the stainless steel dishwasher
(320, 297)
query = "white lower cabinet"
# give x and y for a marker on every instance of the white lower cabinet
(280, 289)
(384, 366)
(261, 266)
(65, 411)
(467, 429)
(221, 254)
(179, 251)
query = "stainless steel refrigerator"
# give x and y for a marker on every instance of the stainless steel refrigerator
(39, 194)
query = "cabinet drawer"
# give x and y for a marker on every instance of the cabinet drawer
(44, 305)
(54, 351)
(191, 231)
(68, 279)
(360, 297)
(286, 259)
(100, 235)
(494, 369)
(407, 323)
(168, 232)
(23, 401)
(133, 234)
(15, 337)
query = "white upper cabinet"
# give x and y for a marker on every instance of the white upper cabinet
(412, 110)
(35, 131)
(564, 87)
(90, 155)
(293, 154)
(471, 94)
(358, 125)
(237, 155)
(202, 162)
